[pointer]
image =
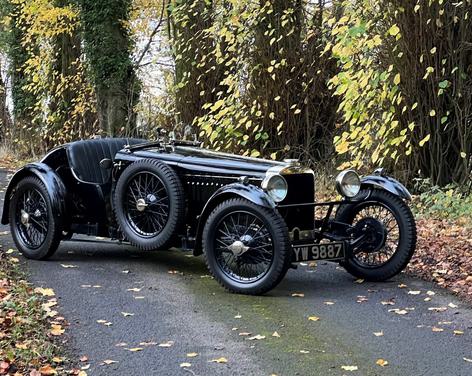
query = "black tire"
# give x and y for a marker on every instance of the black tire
(170, 218)
(405, 227)
(276, 231)
(40, 234)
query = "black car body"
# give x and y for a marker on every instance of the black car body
(85, 187)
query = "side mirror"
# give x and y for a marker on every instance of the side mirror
(106, 163)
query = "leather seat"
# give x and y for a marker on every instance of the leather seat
(85, 156)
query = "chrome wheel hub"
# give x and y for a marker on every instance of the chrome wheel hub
(24, 217)
(238, 248)
(141, 205)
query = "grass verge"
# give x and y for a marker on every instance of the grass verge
(29, 327)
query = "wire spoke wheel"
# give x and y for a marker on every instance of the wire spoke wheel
(389, 234)
(147, 204)
(31, 218)
(244, 248)
(381, 255)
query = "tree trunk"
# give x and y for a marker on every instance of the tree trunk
(5, 118)
(108, 49)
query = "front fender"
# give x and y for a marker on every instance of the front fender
(250, 192)
(50, 179)
(387, 183)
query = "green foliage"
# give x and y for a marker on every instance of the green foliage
(250, 76)
(53, 100)
(449, 202)
(405, 86)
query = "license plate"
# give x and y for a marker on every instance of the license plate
(324, 251)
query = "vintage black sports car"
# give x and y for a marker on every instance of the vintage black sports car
(252, 219)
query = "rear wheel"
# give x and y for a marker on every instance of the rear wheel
(149, 204)
(34, 228)
(390, 235)
(246, 246)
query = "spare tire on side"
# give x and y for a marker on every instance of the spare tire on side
(149, 204)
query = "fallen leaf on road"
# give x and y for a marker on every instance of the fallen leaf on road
(402, 286)
(83, 358)
(44, 292)
(10, 251)
(121, 344)
(14, 259)
(105, 322)
(349, 368)
(82, 373)
(298, 295)
(238, 316)
(430, 293)
(329, 303)
(56, 330)
(275, 334)
(304, 352)
(381, 362)
(139, 297)
(388, 302)
(362, 299)
(452, 305)
(458, 332)
(135, 289)
(57, 359)
(379, 334)
(47, 370)
(135, 349)
(126, 314)
(399, 311)
(437, 309)
(244, 334)
(109, 361)
(21, 346)
(192, 355)
(219, 360)
(436, 329)
(427, 299)
(69, 266)
(166, 344)
(150, 343)
(86, 367)
(182, 365)
(173, 272)
(313, 318)
(467, 360)
(256, 337)
(414, 292)
(125, 271)
(360, 280)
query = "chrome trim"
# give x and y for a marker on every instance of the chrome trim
(265, 184)
(339, 182)
(289, 169)
(220, 177)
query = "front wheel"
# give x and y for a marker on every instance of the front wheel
(246, 246)
(389, 230)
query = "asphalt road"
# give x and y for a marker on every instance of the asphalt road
(175, 300)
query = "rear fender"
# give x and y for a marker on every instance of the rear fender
(387, 183)
(250, 192)
(50, 179)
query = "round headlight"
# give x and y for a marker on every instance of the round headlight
(348, 183)
(275, 186)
